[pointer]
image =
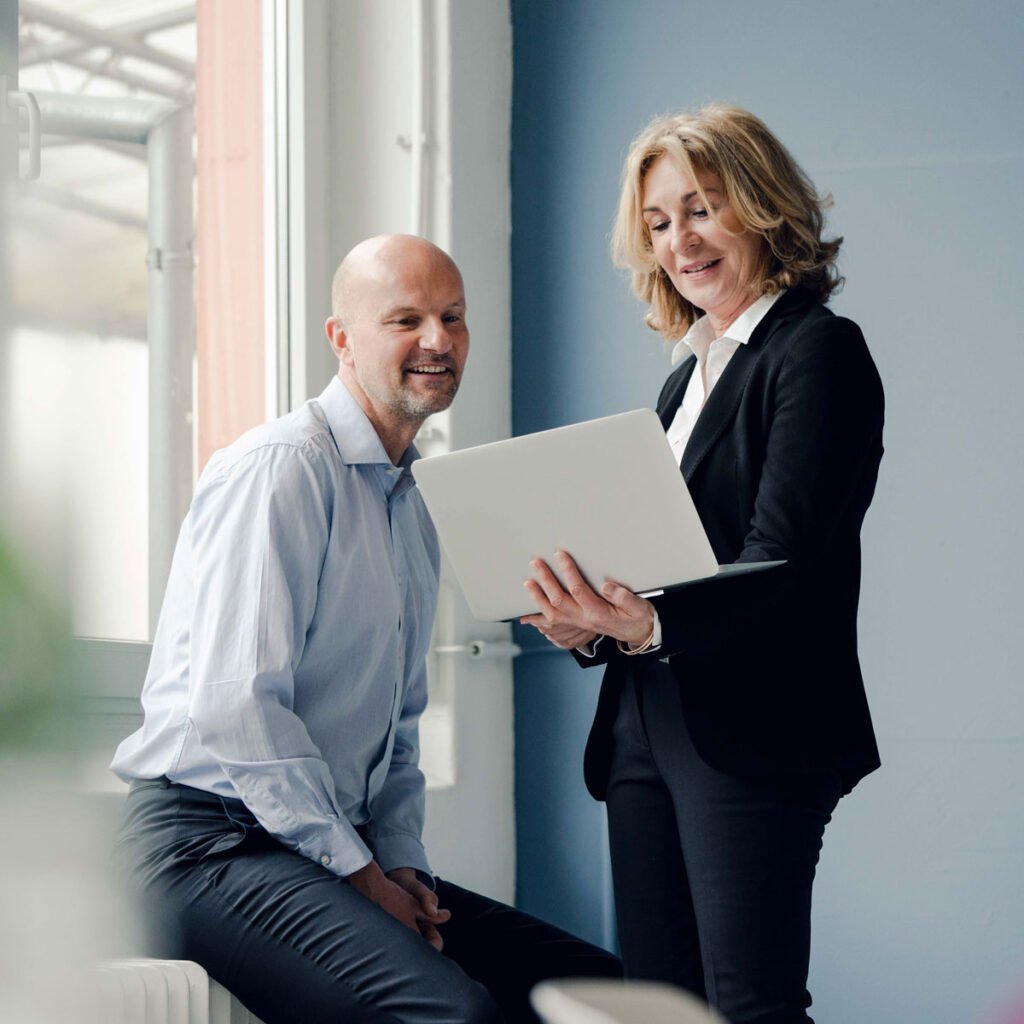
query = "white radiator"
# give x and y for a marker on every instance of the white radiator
(159, 992)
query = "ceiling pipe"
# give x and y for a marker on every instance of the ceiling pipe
(421, 138)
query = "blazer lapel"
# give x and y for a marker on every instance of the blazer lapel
(724, 400)
(675, 387)
(719, 409)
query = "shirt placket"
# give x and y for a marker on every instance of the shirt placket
(391, 481)
(401, 574)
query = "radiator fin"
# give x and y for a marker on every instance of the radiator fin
(160, 992)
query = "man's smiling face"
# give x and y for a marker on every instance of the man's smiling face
(406, 338)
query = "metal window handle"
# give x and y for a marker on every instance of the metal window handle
(17, 100)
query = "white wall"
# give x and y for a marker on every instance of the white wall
(472, 825)
(359, 88)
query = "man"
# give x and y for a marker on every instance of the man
(273, 826)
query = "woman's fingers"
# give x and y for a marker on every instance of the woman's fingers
(567, 637)
(537, 620)
(550, 617)
(540, 599)
(624, 599)
(577, 587)
(635, 614)
(564, 635)
(576, 611)
(553, 591)
(558, 607)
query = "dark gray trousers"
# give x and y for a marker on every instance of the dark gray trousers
(712, 872)
(298, 945)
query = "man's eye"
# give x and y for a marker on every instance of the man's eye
(453, 318)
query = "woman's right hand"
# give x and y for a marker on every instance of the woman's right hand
(567, 636)
(576, 613)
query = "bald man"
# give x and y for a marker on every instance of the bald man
(273, 825)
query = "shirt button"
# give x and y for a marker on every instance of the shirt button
(325, 859)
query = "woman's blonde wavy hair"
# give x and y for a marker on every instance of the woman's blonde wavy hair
(766, 188)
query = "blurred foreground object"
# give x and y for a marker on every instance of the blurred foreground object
(618, 1002)
(142, 991)
(60, 912)
(35, 685)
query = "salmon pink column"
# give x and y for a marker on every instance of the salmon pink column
(229, 230)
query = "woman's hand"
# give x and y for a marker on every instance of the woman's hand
(568, 637)
(574, 615)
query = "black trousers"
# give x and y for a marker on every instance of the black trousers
(298, 945)
(712, 872)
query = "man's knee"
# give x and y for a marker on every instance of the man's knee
(485, 1011)
(475, 1005)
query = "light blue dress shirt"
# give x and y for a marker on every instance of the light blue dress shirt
(289, 663)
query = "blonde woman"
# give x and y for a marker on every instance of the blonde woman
(732, 716)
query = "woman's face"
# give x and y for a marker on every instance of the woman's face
(711, 260)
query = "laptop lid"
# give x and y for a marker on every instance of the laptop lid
(608, 491)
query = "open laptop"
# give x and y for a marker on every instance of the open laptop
(607, 491)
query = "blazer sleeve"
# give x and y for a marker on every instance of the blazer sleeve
(821, 459)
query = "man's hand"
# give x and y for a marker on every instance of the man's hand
(429, 915)
(574, 616)
(395, 898)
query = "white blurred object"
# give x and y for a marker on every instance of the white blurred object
(587, 1001)
(159, 992)
(61, 905)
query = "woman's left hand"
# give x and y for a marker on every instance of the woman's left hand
(567, 613)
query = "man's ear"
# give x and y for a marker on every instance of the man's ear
(335, 331)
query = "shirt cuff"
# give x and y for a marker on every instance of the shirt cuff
(401, 850)
(339, 849)
(590, 650)
(656, 639)
(647, 646)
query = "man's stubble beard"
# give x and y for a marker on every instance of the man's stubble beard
(413, 408)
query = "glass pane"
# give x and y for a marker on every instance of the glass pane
(76, 407)
(77, 430)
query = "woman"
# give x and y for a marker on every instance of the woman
(732, 716)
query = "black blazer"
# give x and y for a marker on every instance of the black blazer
(781, 464)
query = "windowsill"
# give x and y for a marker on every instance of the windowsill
(111, 668)
(111, 719)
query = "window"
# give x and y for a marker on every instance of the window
(81, 415)
(119, 380)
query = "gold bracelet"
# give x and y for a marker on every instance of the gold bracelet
(642, 649)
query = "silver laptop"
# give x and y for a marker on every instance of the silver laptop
(608, 491)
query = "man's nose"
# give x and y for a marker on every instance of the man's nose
(435, 336)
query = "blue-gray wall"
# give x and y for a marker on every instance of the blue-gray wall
(911, 113)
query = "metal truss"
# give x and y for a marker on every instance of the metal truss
(102, 50)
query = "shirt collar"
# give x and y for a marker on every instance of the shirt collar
(357, 441)
(699, 338)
